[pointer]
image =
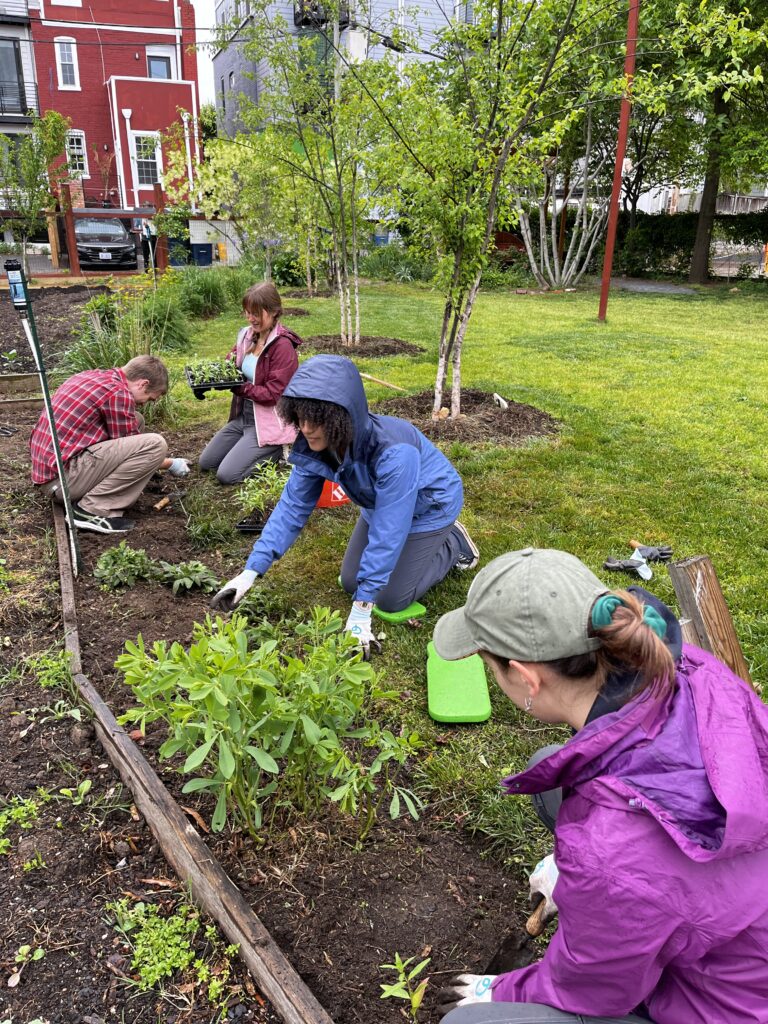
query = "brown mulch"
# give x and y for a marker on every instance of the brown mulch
(302, 293)
(294, 311)
(370, 345)
(481, 419)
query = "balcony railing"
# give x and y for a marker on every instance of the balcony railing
(14, 9)
(313, 14)
(18, 97)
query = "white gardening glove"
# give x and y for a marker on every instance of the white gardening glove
(179, 467)
(463, 989)
(232, 593)
(542, 881)
(359, 626)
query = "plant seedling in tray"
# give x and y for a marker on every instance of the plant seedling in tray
(212, 374)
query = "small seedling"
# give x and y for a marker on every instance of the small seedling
(213, 371)
(61, 709)
(36, 863)
(17, 812)
(187, 575)
(77, 796)
(406, 986)
(263, 490)
(24, 955)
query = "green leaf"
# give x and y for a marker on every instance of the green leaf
(265, 761)
(197, 757)
(311, 730)
(220, 813)
(226, 759)
(197, 784)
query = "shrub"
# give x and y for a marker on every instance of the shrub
(393, 262)
(287, 270)
(203, 293)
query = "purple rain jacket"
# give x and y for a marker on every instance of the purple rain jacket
(661, 845)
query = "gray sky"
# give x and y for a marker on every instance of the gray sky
(205, 19)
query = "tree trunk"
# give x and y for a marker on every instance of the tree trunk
(466, 313)
(699, 272)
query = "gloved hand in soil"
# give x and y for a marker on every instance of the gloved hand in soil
(179, 467)
(359, 626)
(463, 989)
(232, 593)
(542, 881)
(663, 553)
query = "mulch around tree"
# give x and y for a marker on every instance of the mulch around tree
(370, 345)
(56, 311)
(295, 311)
(302, 293)
(481, 419)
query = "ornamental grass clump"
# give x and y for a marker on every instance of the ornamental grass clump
(272, 716)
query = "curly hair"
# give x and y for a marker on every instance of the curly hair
(333, 418)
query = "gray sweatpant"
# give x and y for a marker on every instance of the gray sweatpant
(528, 1013)
(426, 559)
(234, 452)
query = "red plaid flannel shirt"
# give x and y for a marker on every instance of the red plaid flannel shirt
(91, 407)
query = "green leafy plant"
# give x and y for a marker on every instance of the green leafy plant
(77, 796)
(164, 945)
(263, 490)
(406, 987)
(35, 863)
(274, 715)
(186, 576)
(5, 575)
(19, 812)
(214, 371)
(122, 566)
(25, 955)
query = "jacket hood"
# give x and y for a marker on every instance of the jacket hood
(695, 760)
(333, 379)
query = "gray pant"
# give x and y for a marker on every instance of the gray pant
(234, 452)
(528, 1013)
(546, 804)
(426, 559)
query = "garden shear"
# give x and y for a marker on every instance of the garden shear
(8, 431)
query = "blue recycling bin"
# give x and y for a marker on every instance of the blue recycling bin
(202, 254)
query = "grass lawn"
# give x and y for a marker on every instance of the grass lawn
(663, 439)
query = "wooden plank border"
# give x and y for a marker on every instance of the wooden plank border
(180, 842)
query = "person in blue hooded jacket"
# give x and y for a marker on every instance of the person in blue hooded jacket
(407, 538)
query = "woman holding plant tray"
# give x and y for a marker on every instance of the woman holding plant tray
(265, 354)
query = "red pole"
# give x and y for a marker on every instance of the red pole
(621, 149)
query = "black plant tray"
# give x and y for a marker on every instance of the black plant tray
(200, 387)
(255, 522)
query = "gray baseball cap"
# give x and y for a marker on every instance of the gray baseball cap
(530, 605)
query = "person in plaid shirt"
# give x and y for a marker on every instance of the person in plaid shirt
(107, 459)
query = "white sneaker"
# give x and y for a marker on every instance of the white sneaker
(467, 561)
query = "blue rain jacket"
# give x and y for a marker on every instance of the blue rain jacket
(401, 481)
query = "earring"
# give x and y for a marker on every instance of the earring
(528, 704)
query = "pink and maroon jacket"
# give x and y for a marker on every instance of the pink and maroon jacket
(661, 844)
(276, 365)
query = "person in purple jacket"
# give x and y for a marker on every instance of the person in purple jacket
(660, 865)
(265, 354)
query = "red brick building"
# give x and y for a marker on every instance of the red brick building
(120, 70)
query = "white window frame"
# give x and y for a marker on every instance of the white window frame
(57, 43)
(66, 3)
(162, 51)
(76, 133)
(135, 159)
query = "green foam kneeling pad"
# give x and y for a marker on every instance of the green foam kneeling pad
(457, 691)
(413, 611)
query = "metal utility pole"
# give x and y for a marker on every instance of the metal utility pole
(621, 149)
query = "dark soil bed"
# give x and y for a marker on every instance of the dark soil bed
(370, 345)
(294, 311)
(481, 419)
(56, 311)
(339, 913)
(302, 293)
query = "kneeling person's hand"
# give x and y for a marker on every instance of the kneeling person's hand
(463, 989)
(179, 467)
(232, 593)
(359, 626)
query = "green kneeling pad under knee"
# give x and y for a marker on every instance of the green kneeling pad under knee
(415, 610)
(457, 691)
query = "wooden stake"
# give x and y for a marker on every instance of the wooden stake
(376, 380)
(709, 624)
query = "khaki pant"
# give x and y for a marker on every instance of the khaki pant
(108, 477)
